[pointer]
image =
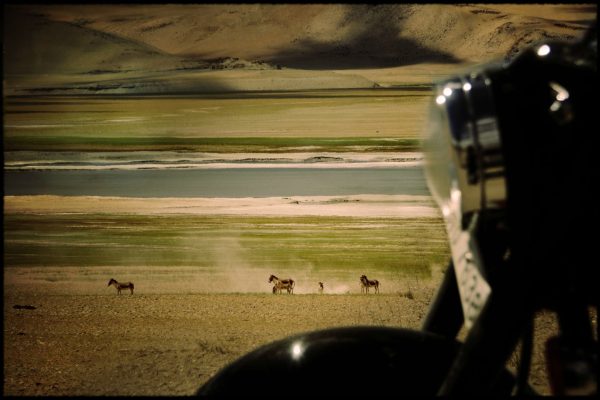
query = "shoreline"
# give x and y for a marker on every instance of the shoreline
(222, 165)
(383, 206)
(64, 160)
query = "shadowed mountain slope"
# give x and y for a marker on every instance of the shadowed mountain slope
(63, 46)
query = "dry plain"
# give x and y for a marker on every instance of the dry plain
(164, 344)
(170, 343)
(187, 319)
(184, 323)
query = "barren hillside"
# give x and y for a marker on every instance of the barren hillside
(114, 44)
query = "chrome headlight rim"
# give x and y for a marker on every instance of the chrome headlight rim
(464, 139)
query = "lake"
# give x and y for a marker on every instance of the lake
(225, 182)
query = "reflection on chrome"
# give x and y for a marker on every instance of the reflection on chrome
(543, 50)
(560, 108)
(464, 147)
(297, 350)
(561, 93)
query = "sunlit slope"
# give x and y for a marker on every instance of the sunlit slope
(329, 36)
(62, 57)
(115, 49)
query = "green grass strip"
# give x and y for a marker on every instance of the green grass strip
(216, 144)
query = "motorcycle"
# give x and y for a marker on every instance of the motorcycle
(509, 155)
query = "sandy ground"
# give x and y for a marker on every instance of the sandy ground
(353, 206)
(63, 160)
(169, 343)
(164, 344)
(179, 329)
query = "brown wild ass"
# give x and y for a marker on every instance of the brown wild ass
(280, 284)
(121, 286)
(365, 284)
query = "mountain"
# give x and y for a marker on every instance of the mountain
(159, 48)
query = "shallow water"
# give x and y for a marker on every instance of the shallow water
(227, 182)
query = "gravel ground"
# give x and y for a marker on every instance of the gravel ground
(164, 344)
(170, 344)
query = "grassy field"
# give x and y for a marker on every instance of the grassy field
(335, 120)
(379, 120)
(211, 145)
(181, 240)
(180, 247)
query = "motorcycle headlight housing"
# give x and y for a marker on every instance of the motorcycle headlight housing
(464, 163)
(465, 173)
(509, 151)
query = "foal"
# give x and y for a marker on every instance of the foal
(121, 286)
(366, 284)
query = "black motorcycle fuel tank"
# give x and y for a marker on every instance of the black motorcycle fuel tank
(351, 361)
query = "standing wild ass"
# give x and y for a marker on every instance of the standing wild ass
(365, 284)
(280, 284)
(121, 286)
